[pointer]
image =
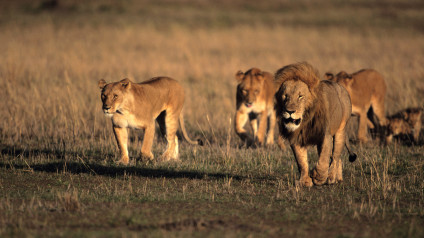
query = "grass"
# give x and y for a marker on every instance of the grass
(57, 171)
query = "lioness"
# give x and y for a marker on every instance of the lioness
(255, 100)
(406, 122)
(366, 88)
(313, 112)
(138, 105)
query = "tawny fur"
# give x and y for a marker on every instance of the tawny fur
(138, 106)
(313, 112)
(255, 102)
(367, 89)
(406, 122)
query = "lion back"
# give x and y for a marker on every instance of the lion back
(337, 102)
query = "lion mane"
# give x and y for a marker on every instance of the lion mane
(315, 121)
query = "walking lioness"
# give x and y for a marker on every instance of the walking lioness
(138, 105)
(255, 100)
(366, 88)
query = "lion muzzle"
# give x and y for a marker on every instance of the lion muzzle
(248, 104)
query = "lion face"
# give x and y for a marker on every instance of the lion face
(250, 86)
(398, 126)
(294, 98)
(112, 95)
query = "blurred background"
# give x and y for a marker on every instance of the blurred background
(53, 53)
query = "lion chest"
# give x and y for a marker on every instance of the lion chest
(127, 121)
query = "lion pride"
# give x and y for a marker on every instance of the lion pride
(367, 89)
(255, 101)
(138, 105)
(313, 112)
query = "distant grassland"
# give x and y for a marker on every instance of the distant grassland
(57, 148)
(63, 52)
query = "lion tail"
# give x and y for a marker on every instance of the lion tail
(352, 155)
(186, 137)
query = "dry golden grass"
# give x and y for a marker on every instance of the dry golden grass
(48, 74)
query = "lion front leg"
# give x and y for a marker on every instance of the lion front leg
(263, 121)
(146, 148)
(301, 156)
(320, 172)
(121, 136)
(270, 134)
(240, 120)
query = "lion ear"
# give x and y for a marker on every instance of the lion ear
(239, 76)
(405, 115)
(260, 75)
(102, 83)
(125, 83)
(329, 76)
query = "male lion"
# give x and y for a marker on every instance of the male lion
(138, 105)
(406, 122)
(255, 100)
(366, 88)
(313, 112)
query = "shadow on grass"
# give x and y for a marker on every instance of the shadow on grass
(81, 167)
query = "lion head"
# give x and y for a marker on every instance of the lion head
(342, 78)
(398, 126)
(113, 95)
(296, 95)
(250, 85)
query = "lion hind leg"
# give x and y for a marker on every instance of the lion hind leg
(362, 128)
(335, 173)
(171, 122)
(377, 104)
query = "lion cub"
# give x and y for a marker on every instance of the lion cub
(406, 122)
(366, 88)
(138, 105)
(255, 101)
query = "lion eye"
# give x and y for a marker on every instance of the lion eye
(300, 97)
(115, 97)
(244, 91)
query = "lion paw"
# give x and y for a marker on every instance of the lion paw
(319, 178)
(147, 156)
(305, 182)
(123, 161)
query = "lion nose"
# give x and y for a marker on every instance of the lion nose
(289, 112)
(106, 107)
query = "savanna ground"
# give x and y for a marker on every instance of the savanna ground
(57, 170)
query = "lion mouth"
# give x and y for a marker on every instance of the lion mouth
(291, 120)
(248, 104)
